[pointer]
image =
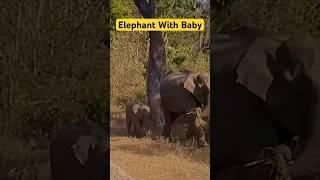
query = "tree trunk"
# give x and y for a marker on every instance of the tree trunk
(156, 67)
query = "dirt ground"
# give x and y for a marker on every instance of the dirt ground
(116, 173)
(155, 160)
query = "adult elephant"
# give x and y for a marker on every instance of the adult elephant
(300, 56)
(180, 93)
(138, 119)
(79, 153)
(261, 98)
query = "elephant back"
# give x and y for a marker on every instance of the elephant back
(175, 79)
(247, 33)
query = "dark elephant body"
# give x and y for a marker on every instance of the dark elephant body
(176, 82)
(244, 123)
(258, 172)
(180, 93)
(65, 166)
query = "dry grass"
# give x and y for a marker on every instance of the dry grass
(147, 159)
(152, 160)
(127, 57)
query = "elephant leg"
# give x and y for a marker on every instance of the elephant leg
(201, 138)
(137, 128)
(129, 127)
(197, 133)
(176, 132)
(199, 125)
(174, 123)
(190, 133)
(173, 131)
(168, 120)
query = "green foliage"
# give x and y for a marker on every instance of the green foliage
(175, 9)
(129, 52)
(181, 46)
(120, 9)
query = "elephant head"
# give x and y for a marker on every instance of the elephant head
(138, 120)
(143, 114)
(199, 86)
(305, 49)
(294, 63)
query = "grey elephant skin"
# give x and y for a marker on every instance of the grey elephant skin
(302, 53)
(258, 101)
(79, 153)
(181, 92)
(138, 119)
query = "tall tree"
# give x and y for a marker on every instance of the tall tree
(203, 11)
(156, 66)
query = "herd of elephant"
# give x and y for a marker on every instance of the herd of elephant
(266, 92)
(185, 97)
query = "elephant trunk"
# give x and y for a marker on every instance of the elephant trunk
(306, 49)
(310, 157)
(206, 112)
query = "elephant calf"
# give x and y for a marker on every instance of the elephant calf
(138, 120)
(180, 93)
(197, 126)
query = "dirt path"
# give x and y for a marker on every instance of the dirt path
(116, 173)
(145, 159)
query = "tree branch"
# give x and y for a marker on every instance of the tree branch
(146, 9)
(152, 4)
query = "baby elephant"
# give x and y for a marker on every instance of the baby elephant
(138, 120)
(197, 126)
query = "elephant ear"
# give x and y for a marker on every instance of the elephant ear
(302, 48)
(146, 108)
(135, 108)
(189, 82)
(82, 146)
(253, 72)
